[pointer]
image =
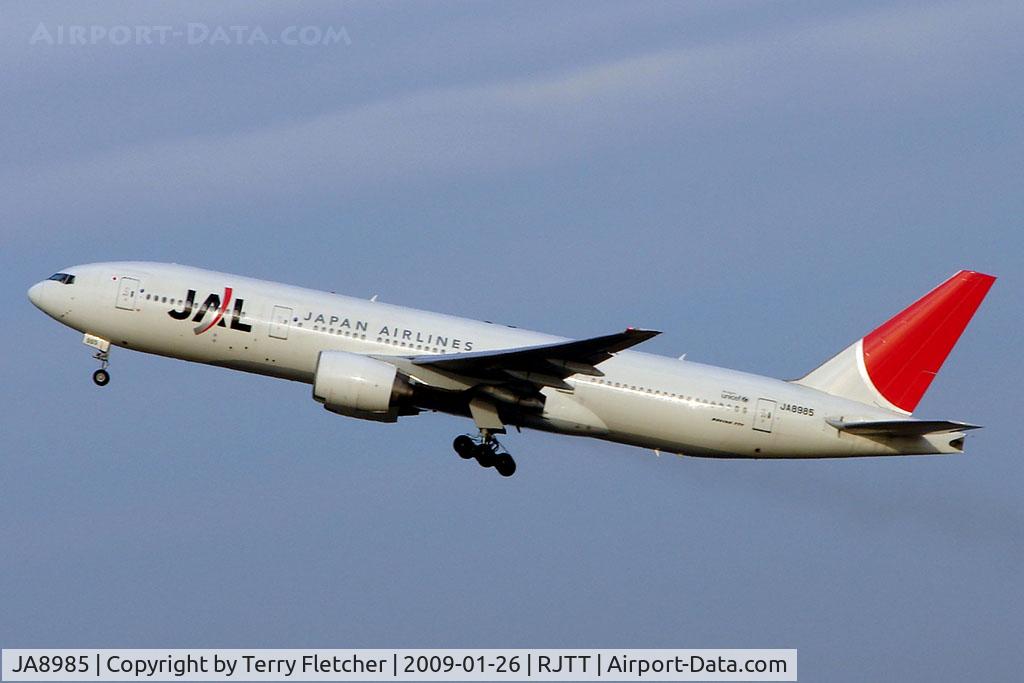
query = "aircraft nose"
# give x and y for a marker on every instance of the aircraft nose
(35, 295)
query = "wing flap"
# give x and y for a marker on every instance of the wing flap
(539, 378)
(900, 427)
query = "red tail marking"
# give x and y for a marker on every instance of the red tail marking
(220, 313)
(904, 354)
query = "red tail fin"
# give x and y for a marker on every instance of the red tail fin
(893, 366)
(904, 354)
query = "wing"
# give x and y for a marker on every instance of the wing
(901, 427)
(544, 365)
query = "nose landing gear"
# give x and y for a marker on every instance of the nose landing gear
(485, 450)
(101, 377)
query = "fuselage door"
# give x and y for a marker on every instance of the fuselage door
(764, 415)
(280, 320)
(127, 290)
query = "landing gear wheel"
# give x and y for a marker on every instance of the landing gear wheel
(505, 464)
(485, 450)
(486, 457)
(464, 446)
(101, 377)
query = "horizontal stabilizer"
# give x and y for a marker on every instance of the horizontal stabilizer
(900, 427)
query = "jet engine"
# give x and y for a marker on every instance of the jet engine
(362, 387)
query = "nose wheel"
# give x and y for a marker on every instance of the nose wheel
(101, 377)
(485, 450)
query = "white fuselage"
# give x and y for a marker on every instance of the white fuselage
(644, 400)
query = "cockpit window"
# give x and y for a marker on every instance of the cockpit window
(63, 278)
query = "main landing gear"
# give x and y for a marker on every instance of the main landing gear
(485, 450)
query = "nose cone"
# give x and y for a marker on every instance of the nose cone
(35, 295)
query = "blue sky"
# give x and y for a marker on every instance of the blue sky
(764, 182)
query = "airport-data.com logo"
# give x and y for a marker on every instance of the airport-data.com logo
(188, 34)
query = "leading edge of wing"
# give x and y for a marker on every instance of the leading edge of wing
(560, 358)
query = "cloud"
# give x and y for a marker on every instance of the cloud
(458, 131)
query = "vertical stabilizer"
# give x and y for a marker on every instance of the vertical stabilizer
(893, 365)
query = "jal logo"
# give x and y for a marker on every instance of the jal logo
(214, 302)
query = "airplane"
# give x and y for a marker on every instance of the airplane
(375, 361)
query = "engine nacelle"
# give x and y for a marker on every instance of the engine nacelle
(360, 386)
